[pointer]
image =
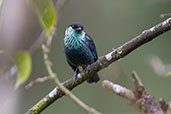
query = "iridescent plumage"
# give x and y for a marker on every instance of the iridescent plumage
(79, 49)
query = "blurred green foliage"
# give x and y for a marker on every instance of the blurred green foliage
(110, 23)
(23, 63)
(46, 13)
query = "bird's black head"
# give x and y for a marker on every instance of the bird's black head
(77, 27)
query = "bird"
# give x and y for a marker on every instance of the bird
(80, 50)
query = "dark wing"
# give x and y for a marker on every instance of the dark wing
(91, 45)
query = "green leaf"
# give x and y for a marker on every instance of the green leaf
(23, 62)
(46, 12)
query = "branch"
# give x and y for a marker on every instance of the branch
(139, 98)
(118, 90)
(105, 61)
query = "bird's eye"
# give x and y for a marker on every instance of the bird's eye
(74, 26)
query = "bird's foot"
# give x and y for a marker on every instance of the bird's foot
(76, 74)
(88, 68)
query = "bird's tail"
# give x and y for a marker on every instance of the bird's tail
(95, 78)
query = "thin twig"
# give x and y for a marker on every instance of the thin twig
(136, 80)
(104, 61)
(38, 80)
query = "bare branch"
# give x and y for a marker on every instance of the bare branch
(139, 98)
(106, 60)
(118, 90)
(136, 80)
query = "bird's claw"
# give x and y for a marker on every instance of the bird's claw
(76, 74)
(88, 68)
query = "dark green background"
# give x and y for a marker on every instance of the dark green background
(110, 23)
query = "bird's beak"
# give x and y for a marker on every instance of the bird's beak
(79, 29)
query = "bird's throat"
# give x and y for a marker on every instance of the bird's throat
(73, 42)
